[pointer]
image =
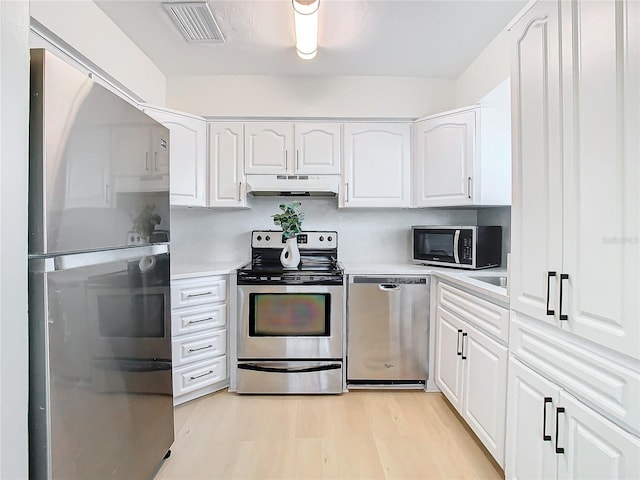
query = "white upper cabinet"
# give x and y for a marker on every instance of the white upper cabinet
(575, 216)
(286, 148)
(601, 245)
(317, 148)
(463, 157)
(227, 186)
(536, 224)
(377, 163)
(268, 147)
(444, 155)
(188, 156)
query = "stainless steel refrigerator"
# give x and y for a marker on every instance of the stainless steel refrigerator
(99, 297)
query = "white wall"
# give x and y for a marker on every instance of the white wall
(364, 235)
(488, 70)
(310, 96)
(14, 136)
(86, 28)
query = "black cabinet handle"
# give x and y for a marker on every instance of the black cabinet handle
(563, 276)
(464, 335)
(559, 410)
(458, 351)
(545, 437)
(549, 275)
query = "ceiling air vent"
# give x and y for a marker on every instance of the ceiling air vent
(195, 21)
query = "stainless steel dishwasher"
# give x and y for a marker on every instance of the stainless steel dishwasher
(387, 331)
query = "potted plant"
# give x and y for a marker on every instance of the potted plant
(290, 219)
(145, 221)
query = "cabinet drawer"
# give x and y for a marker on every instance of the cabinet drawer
(197, 375)
(198, 291)
(196, 319)
(199, 346)
(609, 386)
(491, 318)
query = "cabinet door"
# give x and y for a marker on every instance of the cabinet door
(160, 150)
(317, 148)
(131, 147)
(188, 154)
(536, 228)
(376, 165)
(445, 154)
(530, 441)
(448, 368)
(601, 57)
(593, 446)
(227, 187)
(485, 389)
(88, 168)
(268, 147)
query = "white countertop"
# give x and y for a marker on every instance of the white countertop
(451, 275)
(190, 270)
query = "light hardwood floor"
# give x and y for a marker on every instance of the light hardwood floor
(357, 435)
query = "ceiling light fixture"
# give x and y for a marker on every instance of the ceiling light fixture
(306, 20)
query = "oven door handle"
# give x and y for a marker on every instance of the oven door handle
(259, 368)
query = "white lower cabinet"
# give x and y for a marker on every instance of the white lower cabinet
(551, 434)
(471, 371)
(199, 336)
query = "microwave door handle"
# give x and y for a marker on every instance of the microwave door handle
(456, 242)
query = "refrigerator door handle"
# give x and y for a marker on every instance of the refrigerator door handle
(78, 260)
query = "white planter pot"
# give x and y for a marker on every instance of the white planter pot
(290, 256)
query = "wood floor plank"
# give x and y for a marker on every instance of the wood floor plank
(359, 435)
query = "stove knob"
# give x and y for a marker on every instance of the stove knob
(259, 237)
(329, 238)
(267, 238)
(321, 238)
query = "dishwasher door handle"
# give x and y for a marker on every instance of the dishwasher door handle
(388, 287)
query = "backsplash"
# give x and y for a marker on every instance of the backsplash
(364, 235)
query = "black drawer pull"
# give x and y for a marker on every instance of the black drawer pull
(563, 276)
(464, 335)
(201, 320)
(559, 410)
(201, 348)
(549, 275)
(545, 437)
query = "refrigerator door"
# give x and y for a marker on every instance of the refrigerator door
(101, 403)
(96, 162)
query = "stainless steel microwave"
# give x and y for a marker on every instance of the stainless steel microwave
(470, 247)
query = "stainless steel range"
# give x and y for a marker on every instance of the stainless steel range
(290, 331)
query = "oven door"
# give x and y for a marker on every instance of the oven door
(288, 322)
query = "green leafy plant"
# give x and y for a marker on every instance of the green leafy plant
(290, 219)
(145, 221)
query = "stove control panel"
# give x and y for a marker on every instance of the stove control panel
(320, 240)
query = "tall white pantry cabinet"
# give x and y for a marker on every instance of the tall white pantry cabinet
(575, 260)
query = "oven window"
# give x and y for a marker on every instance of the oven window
(131, 315)
(289, 314)
(436, 244)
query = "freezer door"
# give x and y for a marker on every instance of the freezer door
(101, 403)
(96, 163)
(388, 328)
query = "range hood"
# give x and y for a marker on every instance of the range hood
(293, 185)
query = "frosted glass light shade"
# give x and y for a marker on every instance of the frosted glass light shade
(306, 20)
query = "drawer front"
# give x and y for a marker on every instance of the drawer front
(199, 318)
(489, 317)
(197, 375)
(185, 293)
(199, 346)
(607, 385)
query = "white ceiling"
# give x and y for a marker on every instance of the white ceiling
(417, 38)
